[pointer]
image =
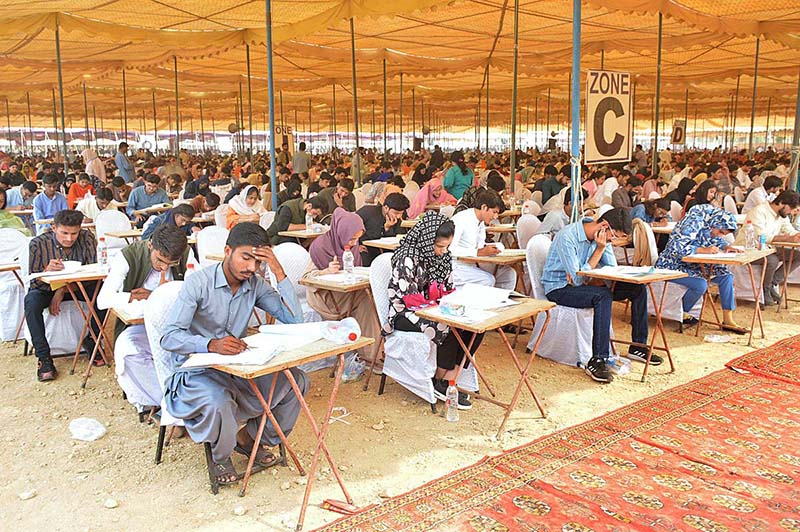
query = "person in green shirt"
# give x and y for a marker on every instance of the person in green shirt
(460, 177)
(291, 216)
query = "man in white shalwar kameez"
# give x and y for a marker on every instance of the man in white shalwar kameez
(133, 274)
(469, 240)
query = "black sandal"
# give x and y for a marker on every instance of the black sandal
(223, 471)
(264, 457)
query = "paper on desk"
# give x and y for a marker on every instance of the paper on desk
(505, 226)
(85, 269)
(359, 274)
(387, 240)
(134, 309)
(286, 336)
(714, 255)
(634, 271)
(512, 253)
(471, 315)
(251, 357)
(479, 297)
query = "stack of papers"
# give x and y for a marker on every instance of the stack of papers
(471, 315)
(360, 273)
(512, 253)
(387, 240)
(634, 271)
(478, 297)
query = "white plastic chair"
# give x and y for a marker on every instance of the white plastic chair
(266, 219)
(210, 240)
(411, 190)
(729, 204)
(675, 210)
(568, 339)
(13, 249)
(654, 195)
(155, 317)
(360, 198)
(522, 193)
(221, 216)
(365, 189)
(410, 357)
(536, 197)
(738, 194)
(527, 225)
(602, 209)
(113, 220)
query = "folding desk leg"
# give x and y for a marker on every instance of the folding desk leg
(93, 315)
(757, 290)
(659, 329)
(471, 358)
(83, 331)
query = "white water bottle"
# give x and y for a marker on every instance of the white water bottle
(102, 255)
(341, 332)
(348, 263)
(451, 405)
(309, 222)
(749, 235)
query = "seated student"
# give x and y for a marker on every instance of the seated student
(326, 257)
(763, 194)
(422, 270)
(132, 275)
(494, 181)
(9, 220)
(67, 241)
(654, 212)
(340, 195)
(145, 196)
(702, 230)
(204, 204)
(79, 190)
(66, 184)
(432, 194)
(469, 240)
(199, 186)
(292, 191)
(48, 203)
(22, 197)
(179, 216)
(627, 195)
(246, 207)
(557, 219)
(380, 221)
(774, 221)
(291, 216)
(317, 186)
(459, 177)
(174, 185)
(120, 189)
(683, 190)
(585, 245)
(211, 315)
(92, 206)
(235, 190)
(704, 194)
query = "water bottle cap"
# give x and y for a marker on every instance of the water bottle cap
(102, 239)
(749, 221)
(452, 383)
(352, 337)
(347, 248)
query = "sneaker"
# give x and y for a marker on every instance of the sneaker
(690, 320)
(598, 371)
(464, 402)
(440, 389)
(640, 355)
(46, 371)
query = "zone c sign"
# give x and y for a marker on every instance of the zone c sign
(609, 128)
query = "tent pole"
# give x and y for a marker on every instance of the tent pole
(575, 149)
(766, 132)
(478, 121)
(385, 146)
(487, 108)
(658, 91)
(602, 58)
(547, 125)
(94, 118)
(401, 113)
(514, 98)
(569, 107)
(795, 142)
(694, 127)
(280, 96)
(202, 126)
(372, 131)
(413, 116)
(241, 118)
(633, 111)
(55, 121)
(30, 123)
(86, 116)
(422, 117)
(249, 106)
(125, 104)
(686, 119)
(271, 107)
(735, 112)
(355, 98)
(8, 124)
(155, 124)
(177, 107)
(333, 116)
(61, 96)
(310, 126)
(755, 93)
(536, 123)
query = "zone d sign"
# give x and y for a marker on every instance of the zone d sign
(609, 134)
(678, 132)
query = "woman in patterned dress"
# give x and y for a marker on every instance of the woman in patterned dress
(422, 272)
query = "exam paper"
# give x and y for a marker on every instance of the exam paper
(512, 253)
(250, 357)
(479, 297)
(471, 315)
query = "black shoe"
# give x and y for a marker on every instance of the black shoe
(464, 402)
(776, 293)
(690, 321)
(440, 389)
(640, 355)
(598, 370)
(46, 371)
(88, 345)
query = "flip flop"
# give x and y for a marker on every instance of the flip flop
(264, 457)
(224, 469)
(735, 329)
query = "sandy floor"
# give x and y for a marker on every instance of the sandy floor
(392, 444)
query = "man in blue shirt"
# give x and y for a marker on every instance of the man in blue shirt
(583, 246)
(47, 204)
(124, 164)
(22, 197)
(147, 196)
(211, 315)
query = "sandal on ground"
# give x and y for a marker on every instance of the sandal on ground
(46, 371)
(264, 457)
(224, 472)
(99, 362)
(735, 329)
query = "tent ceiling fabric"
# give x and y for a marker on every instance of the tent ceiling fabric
(442, 48)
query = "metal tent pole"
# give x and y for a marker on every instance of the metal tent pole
(413, 115)
(514, 98)
(271, 106)
(385, 133)
(536, 123)
(575, 148)
(202, 127)
(249, 107)
(86, 116)
(241, 118)
(657, 101)
(793, 183)
(310, 126)
(547, 126)
(333, 116)
(766, 132)
(755, 93)
(401, 113)
(30, 123)
(177, 107)
(487, 108)
(735, 112)
(125, 104)
(94, 118)
(686, 119)
(155, 125)
(61, 96)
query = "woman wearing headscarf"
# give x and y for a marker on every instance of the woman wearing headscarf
(704, 194)
(94, 166)
(432, 193)
(420, 175)
(422, 272)
(678, 195)
(326, 257)
(374, 192)
(9, 220)
(702, 231)
(459, 177)
(246, 207)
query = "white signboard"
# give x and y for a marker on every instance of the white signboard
(609, 125)
(678, 132)
(284, 136)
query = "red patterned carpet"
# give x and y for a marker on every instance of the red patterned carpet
(718, 454)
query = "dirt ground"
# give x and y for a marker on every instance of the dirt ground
(392, 443)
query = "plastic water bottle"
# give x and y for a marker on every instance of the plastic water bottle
(451, 405)
(102, 255)
(526, 209)
(189, 270)
(348, 263)
(749, 235)
(309, 222)
(341, 332)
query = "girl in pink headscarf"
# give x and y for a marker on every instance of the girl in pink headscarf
(326, 258)
(433, 193)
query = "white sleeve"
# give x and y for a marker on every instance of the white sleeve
(464, 243)
(111, 294)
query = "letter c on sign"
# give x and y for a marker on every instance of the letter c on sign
(607, 105)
